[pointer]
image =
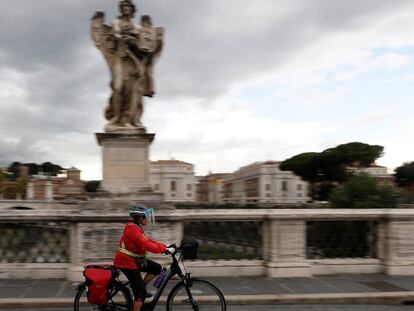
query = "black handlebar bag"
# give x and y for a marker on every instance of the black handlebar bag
(190, 248)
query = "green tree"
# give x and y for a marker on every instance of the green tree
(330, 165)
(33, 168)
(404, 175)
(50, 169)
(305, 165)
(355, 152)
(363, 191)
(14, 169)
(325, 190)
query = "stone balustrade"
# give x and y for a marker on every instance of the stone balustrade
(93, 231)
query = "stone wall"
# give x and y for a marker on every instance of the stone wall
(94, 233)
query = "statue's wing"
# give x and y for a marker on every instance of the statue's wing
(160, 40)
(103, 37)
(159, 36)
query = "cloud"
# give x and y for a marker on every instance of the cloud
(392, 60)
(54, 84)
(17, 150)
(399, 145)
(377, 116)
(229, 135)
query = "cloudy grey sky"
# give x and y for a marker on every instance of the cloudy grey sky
(239, 81)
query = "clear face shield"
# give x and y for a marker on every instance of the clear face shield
(149, 215)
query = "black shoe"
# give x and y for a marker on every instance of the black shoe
(149, 295)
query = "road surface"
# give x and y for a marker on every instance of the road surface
(279, 308)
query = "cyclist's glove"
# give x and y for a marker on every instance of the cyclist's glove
(170, 249)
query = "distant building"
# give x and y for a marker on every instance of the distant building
(13, 189)
(264, 182)
(5, 171)
(210, 188)
(374, 170)
(44, 187)
(175, 179)
(9, 190)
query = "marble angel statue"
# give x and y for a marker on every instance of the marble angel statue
(130, 51)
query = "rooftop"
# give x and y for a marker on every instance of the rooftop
(170, 162)
(73, 169)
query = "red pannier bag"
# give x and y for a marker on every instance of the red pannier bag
(99, 280)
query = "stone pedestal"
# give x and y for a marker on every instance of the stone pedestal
(126, 165)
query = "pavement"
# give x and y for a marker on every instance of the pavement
(338, 289)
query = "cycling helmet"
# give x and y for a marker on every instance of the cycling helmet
(142, 211)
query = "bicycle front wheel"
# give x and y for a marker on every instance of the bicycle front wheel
(198, 295)
(119, 299)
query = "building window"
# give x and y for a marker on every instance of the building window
(267, 187)
(251, 187)
(228, 190)
(173, 195)
(268, 195)
(173, 185)
(300, 187)
(284, 185)
(189, 187)
(188, 195)
(300, 195)
(157, 187)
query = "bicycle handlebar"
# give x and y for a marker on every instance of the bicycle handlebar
(176, 249)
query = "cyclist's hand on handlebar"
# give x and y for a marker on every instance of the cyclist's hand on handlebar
(171, 249)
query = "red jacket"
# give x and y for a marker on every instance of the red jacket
(136, 241)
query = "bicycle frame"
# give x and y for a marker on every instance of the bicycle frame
(171, 272)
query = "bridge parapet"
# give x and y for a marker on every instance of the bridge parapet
(37, 205)
(58, 242)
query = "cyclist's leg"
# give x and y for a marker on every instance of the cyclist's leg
(153, 269)
(137, 286)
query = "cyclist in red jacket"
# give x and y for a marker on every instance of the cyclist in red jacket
(131, 257)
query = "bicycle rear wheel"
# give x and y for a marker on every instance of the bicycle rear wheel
(204, 296)
(119, 299)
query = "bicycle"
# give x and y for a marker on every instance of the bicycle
(188, 294)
